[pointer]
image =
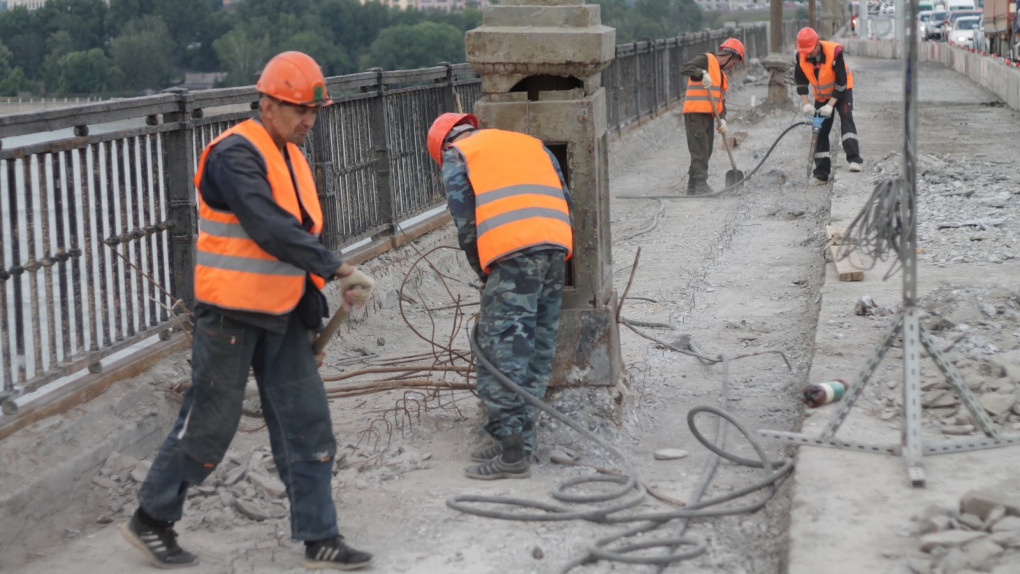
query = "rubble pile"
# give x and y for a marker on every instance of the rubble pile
(982, 534)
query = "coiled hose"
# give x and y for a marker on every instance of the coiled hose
(773, 473)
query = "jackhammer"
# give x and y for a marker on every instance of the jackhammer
(816, 126)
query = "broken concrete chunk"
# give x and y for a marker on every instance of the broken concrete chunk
(272, 486)
(140, 471)
(252, 509)
(103, 481)
(1007, 525)
(996, 403)
(972, 521)
(981, 552)
(982, 501)
(670, 454)
(948, 539)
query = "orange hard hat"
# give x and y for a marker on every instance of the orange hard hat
(295, 78)
(734, 45)
(807, 39)
(441, 129)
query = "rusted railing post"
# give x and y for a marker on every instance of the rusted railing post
(179, 154)
(381, 147)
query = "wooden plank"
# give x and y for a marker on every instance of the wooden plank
(850, 268)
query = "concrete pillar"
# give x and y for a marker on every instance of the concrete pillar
(541, 65)
(777, 63)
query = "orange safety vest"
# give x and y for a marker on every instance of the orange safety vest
(825, 82)
(231, 270)
(696, 99)
(519, 201)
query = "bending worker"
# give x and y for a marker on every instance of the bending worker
(707, 74)
(821, 64)
(512, 210)
(258, 279)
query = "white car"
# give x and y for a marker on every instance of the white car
(962, 33)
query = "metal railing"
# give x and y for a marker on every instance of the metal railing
(98, 216)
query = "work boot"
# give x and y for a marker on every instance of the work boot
(511, 463)
(855, 166)
(698, 187)
(488, 453)
(333, 553)
(159, 543)
(816, 182)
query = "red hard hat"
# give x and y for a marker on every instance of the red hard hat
(807, 39)
(295, 78)
(735, 45)
(441, 128)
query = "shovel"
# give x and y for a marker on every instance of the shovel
(734, 177)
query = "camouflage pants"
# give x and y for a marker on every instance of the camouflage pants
(520, 316)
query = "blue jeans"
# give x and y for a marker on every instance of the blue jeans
(294, 405)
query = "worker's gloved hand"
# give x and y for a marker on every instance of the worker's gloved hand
(721, 128)
(825, 111)
(706, 79)
(356, 289)
(809, 110)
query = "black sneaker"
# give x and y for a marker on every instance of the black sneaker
(496, 468)
(158, 543)
(488, 453)
(333, 553)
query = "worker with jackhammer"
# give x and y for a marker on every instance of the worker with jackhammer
(704, 101)
(259, 272)
(821, 64)
(512, 211)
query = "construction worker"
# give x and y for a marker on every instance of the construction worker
(706, 82)
(258, 278)
(512, 211)
(821, 64)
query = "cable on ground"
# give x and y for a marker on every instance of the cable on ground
(728, 188)
(877, 229)
(676, 546)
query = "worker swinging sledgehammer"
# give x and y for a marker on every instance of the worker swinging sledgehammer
(821, 64)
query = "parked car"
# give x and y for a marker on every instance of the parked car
(963, 30)
(952, 16)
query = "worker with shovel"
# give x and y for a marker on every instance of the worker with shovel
(259, 271)
(821, 64)
(705, 110)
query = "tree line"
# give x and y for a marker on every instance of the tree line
(91, 47)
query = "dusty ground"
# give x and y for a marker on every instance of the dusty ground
(739, 274)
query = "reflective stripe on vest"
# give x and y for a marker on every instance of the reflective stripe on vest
(518, 199)
(231, 270)
(696, 99)
(825, 82)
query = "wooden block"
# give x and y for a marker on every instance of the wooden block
(850, 268)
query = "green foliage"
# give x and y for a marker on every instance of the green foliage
(144, 53)
(333, 58)
(407, 47)
(15, 83)
(344, 36)
(242, 55)
(646, 19)
(88, 72)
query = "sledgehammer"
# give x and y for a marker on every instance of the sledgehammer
(331, 328)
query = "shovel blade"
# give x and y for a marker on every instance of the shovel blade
(734, 177)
